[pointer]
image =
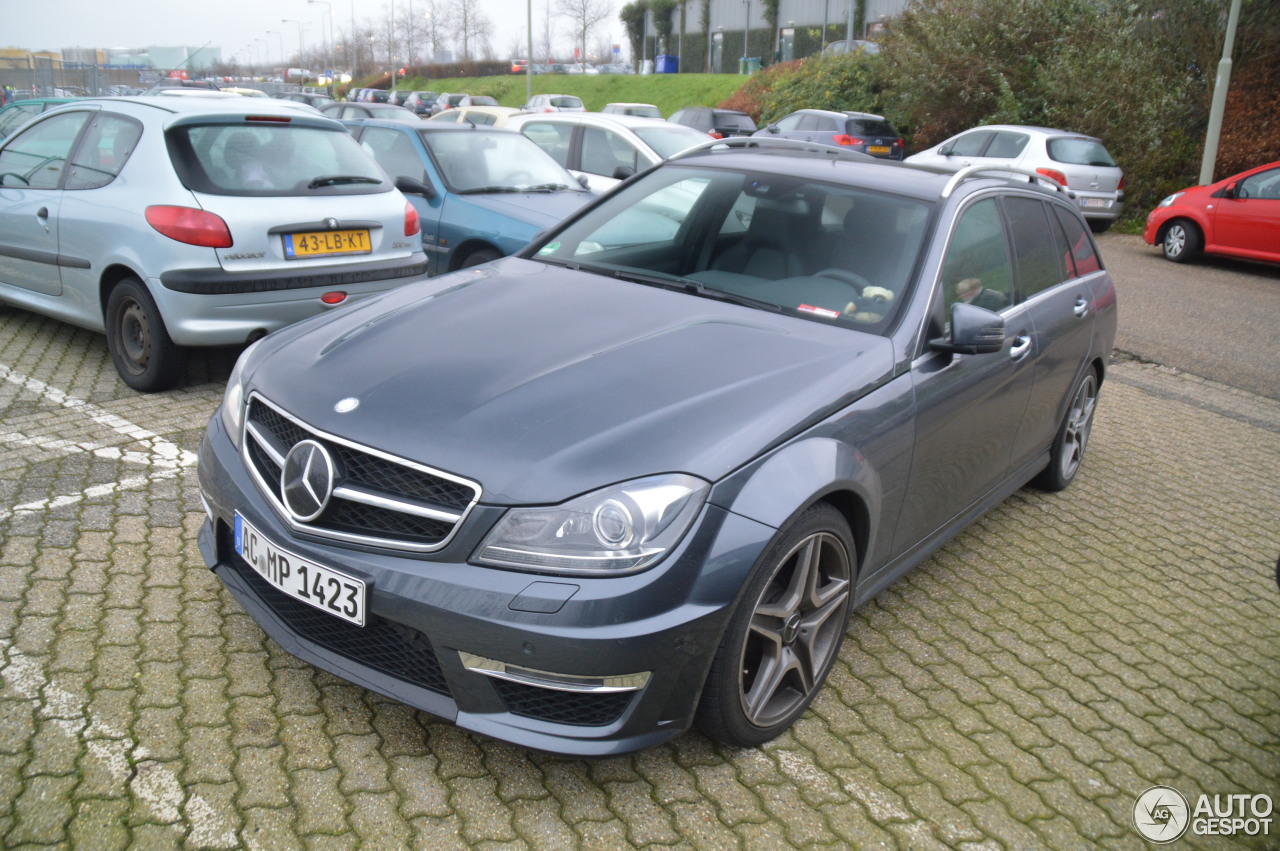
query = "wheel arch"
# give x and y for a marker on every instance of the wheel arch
(112, 275)
(464, 250)
(789, 482)
(1185, 219)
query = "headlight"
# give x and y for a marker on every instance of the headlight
(620, 529)
(232, 409)
(1174, 197)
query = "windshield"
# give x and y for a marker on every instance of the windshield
(272, 158)
(669, 141)
(494, 161)
(818, 250)
(1080, 152)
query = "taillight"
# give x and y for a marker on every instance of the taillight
(1053, 174)
(411, 223)
(714, 135)
(897, 143)
(1121, 186)
(846, 139)
(189, 225)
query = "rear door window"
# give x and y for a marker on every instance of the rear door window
(1007, 145)
(1034, 248)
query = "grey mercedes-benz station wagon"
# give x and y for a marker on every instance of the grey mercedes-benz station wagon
(636, 476)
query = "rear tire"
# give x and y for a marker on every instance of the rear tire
(785, 634)
(1182, 241)
(144, 354)
(1100, 225)
(1073, 436)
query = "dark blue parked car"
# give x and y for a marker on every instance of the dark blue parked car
(636, 477)
(480, 193)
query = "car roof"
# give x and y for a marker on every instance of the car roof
(428, 126)
(219, 105)
(601, 119)
(835, 113)
(1031, 128)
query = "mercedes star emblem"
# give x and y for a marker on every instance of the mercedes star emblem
(306, 482)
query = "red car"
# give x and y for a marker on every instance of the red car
(1236, 217)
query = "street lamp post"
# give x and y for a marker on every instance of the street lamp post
(280, 38)
(328, 10)
(301, 50)
(746, 25)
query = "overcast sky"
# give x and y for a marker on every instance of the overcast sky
(234, 24)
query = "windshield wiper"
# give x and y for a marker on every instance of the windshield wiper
(337, 179)
(544, 187)
(689, 285)
(477, 190)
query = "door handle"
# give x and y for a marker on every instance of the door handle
(1021, 345)
(1081, 308)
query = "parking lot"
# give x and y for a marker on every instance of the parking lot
(1019, 689)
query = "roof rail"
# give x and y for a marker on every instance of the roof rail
(970, 171)
(776, 144)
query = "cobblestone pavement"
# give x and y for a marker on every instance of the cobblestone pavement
(1018, 690)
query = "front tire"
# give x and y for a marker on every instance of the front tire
(1073, 437)
(785, 634)
(475, 258)
(144, 354)
(1182, 241)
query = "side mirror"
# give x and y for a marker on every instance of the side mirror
(974, 331)
(772, 128)
(944, 151)
(413, 186)
(583, 182)
(622, 172)
(1232, 191)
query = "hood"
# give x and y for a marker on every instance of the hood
(540, 209)
(542, 383)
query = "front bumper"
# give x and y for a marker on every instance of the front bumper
(431, 615)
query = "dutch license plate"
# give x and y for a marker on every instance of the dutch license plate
(877, 149)
(326, 243)
(1095, 202)
(328, 590)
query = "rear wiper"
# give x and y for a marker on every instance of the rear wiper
(336, 179)
(691, 286)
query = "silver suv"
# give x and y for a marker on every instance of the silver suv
(194, 221)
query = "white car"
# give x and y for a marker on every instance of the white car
(177, 221)
(644, 110)
(1080, 163)
(605, 149)
(554, 103)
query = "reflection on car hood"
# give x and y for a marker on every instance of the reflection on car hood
(542, 383)
(540, 209)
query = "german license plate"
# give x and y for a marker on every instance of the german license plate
(328, 590)
(326, 243)
(877, 149)
(1095, 202)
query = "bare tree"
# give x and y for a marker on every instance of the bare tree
(438, 24)
(584, 14)
(472, 28)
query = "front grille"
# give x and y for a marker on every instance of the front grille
(579, 709)
(392, 648)
(428, 505)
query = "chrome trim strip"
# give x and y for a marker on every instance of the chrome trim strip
(359, 494)
(267, 444)
(556, 682)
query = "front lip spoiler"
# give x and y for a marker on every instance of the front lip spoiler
(217, 281)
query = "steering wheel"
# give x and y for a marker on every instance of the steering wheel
(7, 174)
(844, 276)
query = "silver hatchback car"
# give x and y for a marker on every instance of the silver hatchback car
(174, 222)
(1080, 163)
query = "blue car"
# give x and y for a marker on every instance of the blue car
(480, 193)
